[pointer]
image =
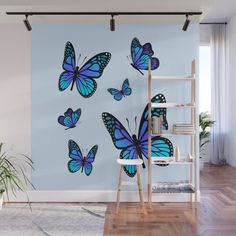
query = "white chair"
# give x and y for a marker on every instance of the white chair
(137, 163)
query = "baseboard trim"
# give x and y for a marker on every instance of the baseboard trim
(98, 196)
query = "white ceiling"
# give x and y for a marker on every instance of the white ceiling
(221, 11)
(213, 10)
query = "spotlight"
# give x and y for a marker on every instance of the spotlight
(112, 24)
(186, 24)
(27, 24)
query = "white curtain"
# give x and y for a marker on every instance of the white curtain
(219, 101)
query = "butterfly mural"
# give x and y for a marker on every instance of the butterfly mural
(70, 118)
(119, 94)
(83, 77)
(141, 55)
(159, 112)
(78, 160)
(133, 146)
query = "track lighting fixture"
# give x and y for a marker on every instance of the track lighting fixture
(27, 24)
(112, 23)
(186, 23)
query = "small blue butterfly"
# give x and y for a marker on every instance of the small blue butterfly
(78, 161)
(141, 55)
(84, 76)
(136, 146)
(119, 94)
(70, 118)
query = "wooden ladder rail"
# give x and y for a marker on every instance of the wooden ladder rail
(149, 137)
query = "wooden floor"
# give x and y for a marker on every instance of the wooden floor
(214, 216)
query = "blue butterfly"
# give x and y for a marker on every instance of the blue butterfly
(78, 161)
(141, 55)
(119, 94)
(133, 147)
(84, 76)
(70, 118)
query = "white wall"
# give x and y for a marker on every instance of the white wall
(15, 87)
(231, 64)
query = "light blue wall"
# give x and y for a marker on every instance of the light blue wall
(175, 50)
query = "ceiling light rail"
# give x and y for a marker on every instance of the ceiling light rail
(112, 14)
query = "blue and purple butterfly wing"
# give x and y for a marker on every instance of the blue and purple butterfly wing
(75, 116)
(69, 65)
(91, 70)
(65, 80)
(128, 154)
(75, 154)
(126, 90)
(160, 145)
(117, 94)
(120, 137)
(89, 160)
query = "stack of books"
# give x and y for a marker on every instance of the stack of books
(183, 129)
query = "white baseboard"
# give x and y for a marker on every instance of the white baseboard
(98, 196)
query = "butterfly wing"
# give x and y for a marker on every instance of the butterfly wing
(89, 159)
(158, 112)
(69, 65)
(120, 137)
(141, 55)
(91, 70)
(129, 153)
(116, 93)
(76, 155)
(75, 116)
(126, 88)
(121, 140)
(161, 147)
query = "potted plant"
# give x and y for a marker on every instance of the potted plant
(12, 173)
(205, 124)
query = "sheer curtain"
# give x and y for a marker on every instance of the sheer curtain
(218, 95)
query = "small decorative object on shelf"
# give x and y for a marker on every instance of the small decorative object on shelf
(189, 158)
(177, 154)
(157, 125)
(183, 129)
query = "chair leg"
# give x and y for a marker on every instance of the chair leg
(140, 189)
(118, 191)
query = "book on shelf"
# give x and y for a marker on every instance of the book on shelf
(183, 129)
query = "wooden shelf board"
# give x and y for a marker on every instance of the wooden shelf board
(172, 134)
(172, 105)
(177, 78)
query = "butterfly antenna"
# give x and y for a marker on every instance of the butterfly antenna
(79, 58)
(128, 125)
(83, 61)
(135, 119)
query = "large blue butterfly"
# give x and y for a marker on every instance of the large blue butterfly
(78, 161)
(141, 55)
(119, 94)
(84, 76)
(70, 118)
(133, 147)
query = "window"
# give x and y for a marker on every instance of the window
(205, 78)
